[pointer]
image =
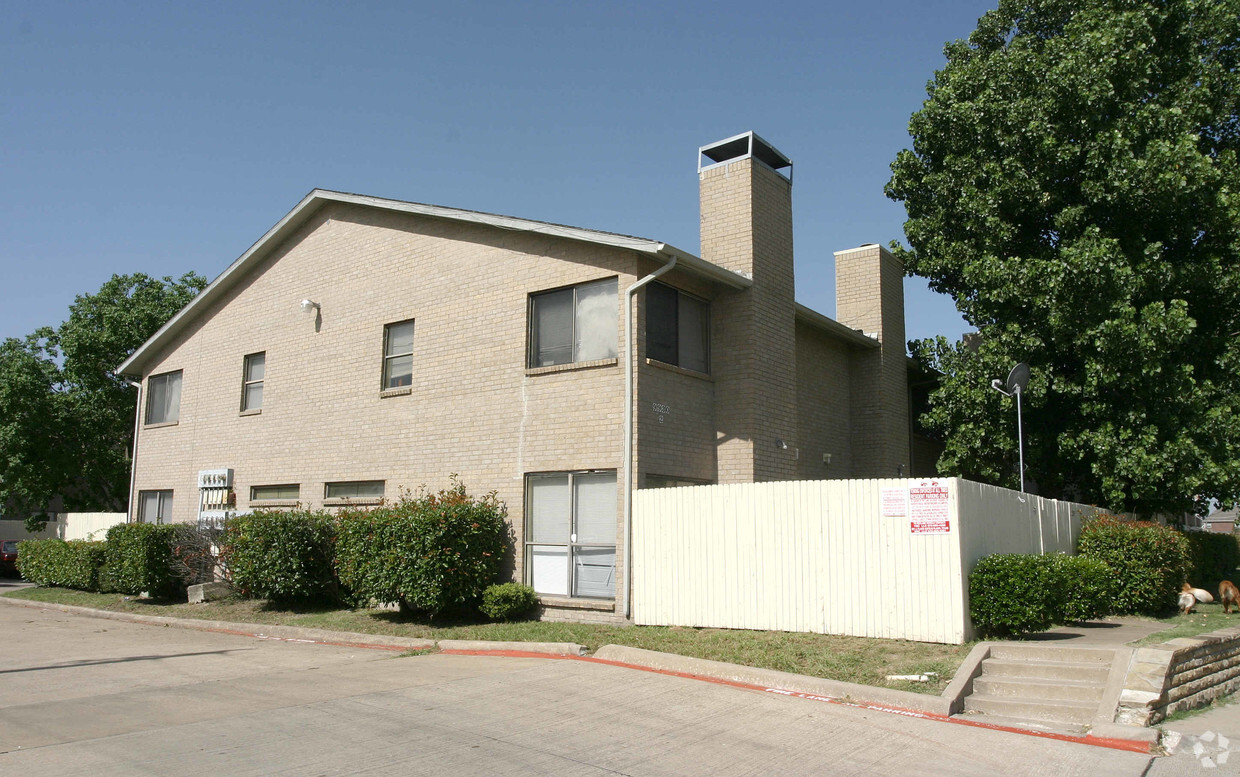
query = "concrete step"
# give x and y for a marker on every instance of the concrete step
(1046, 670)
(1062, 711)
(1044, 652)
(1037, 689)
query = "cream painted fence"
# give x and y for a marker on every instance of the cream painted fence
(871, 558)
(66, 526)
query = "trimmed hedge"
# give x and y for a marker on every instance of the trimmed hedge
(285, 556)
(1148, 561)
(1088, 587)
(508, 601)
(1213, 557)
(140, 559)
(54, 562)
(1014, 593)
(428, 552)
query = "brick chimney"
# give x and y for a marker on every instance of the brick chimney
(869, 295)
(746, 211)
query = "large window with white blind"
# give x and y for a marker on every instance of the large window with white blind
(577, 324)
(570, 533)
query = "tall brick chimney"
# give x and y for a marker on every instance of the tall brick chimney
(869, 295)
(746, 209)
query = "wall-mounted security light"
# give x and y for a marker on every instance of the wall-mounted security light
(307, 306)
(783, 446)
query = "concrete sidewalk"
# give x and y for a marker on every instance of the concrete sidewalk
(1109, 632)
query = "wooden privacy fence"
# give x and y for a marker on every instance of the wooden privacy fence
(66, 526)
(870, 558)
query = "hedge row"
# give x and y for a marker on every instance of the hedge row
(1014, 593)
(1213, 557)
(1148, 561)
(74, 564)
(428, 553)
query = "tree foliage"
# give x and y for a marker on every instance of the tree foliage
(1074, 186)
(66, 421)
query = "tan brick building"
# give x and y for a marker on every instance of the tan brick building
(364, 346)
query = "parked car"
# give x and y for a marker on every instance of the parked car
(8, 558)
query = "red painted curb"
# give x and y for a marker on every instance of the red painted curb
(1128, 745)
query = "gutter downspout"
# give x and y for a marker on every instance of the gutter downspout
(133, 456)
(628, 432)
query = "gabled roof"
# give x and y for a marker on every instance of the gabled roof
(317, 199)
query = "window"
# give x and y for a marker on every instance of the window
(570, 534)
(261, 493)
(154, 506)
(252, 381)
(163, 398)
(398, 354)
(355, 489)
(677, 328)
(577, 324)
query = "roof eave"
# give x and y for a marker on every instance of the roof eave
(835, 328)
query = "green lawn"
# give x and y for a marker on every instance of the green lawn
(1208, 617)
(850, 659)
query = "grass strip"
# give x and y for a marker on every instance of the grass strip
(847, 659)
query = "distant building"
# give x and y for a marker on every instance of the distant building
(364, 346)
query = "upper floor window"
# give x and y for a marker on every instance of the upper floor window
(577, 324)
(398, 354)
(252, 381)
(163, 398)
(677, 328)
(154, 506)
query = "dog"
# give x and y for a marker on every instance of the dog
(1228, 596)
(1202, 594)
(1187, 602)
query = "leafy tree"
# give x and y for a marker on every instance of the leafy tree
(66, 422)
(1074, 185)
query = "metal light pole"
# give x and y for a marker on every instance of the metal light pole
(1017, 379)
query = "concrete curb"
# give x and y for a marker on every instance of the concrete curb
(771, 678)
(550, 648)
(247, 629)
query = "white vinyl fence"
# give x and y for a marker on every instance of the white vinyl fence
(871, 558)
(66, 526)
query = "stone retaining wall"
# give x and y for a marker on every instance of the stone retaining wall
(1180, 674)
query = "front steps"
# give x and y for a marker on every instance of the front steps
(1041, 686)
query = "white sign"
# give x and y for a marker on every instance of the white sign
(895, 502)
(928, 511)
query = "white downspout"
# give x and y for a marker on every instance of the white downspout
(130, 507)
(628, 432)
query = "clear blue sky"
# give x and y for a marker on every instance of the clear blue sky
(167, 137)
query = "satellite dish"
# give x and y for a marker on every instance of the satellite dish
(1017, 379)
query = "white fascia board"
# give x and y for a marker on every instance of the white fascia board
(132, 366)
(835, 328)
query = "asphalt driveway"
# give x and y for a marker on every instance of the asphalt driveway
(86, 696)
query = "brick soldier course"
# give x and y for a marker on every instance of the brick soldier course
(785, 386)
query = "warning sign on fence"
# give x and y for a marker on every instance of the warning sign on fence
(895, 502)
(928, 510)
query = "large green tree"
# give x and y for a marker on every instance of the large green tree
(66, 421)
(1074, 186)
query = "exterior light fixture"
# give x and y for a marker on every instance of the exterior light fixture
(1017, 380)
(307, 306)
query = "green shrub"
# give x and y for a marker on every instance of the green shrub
(1087, 584)
(1013, 593)
(74, 564)
(1148, 562)
(285, 556)
(1213, 557)
(507, 601)
(428, 552)
(140, 558)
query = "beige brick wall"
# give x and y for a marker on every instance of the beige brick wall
(824, 411)
(472, 409)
